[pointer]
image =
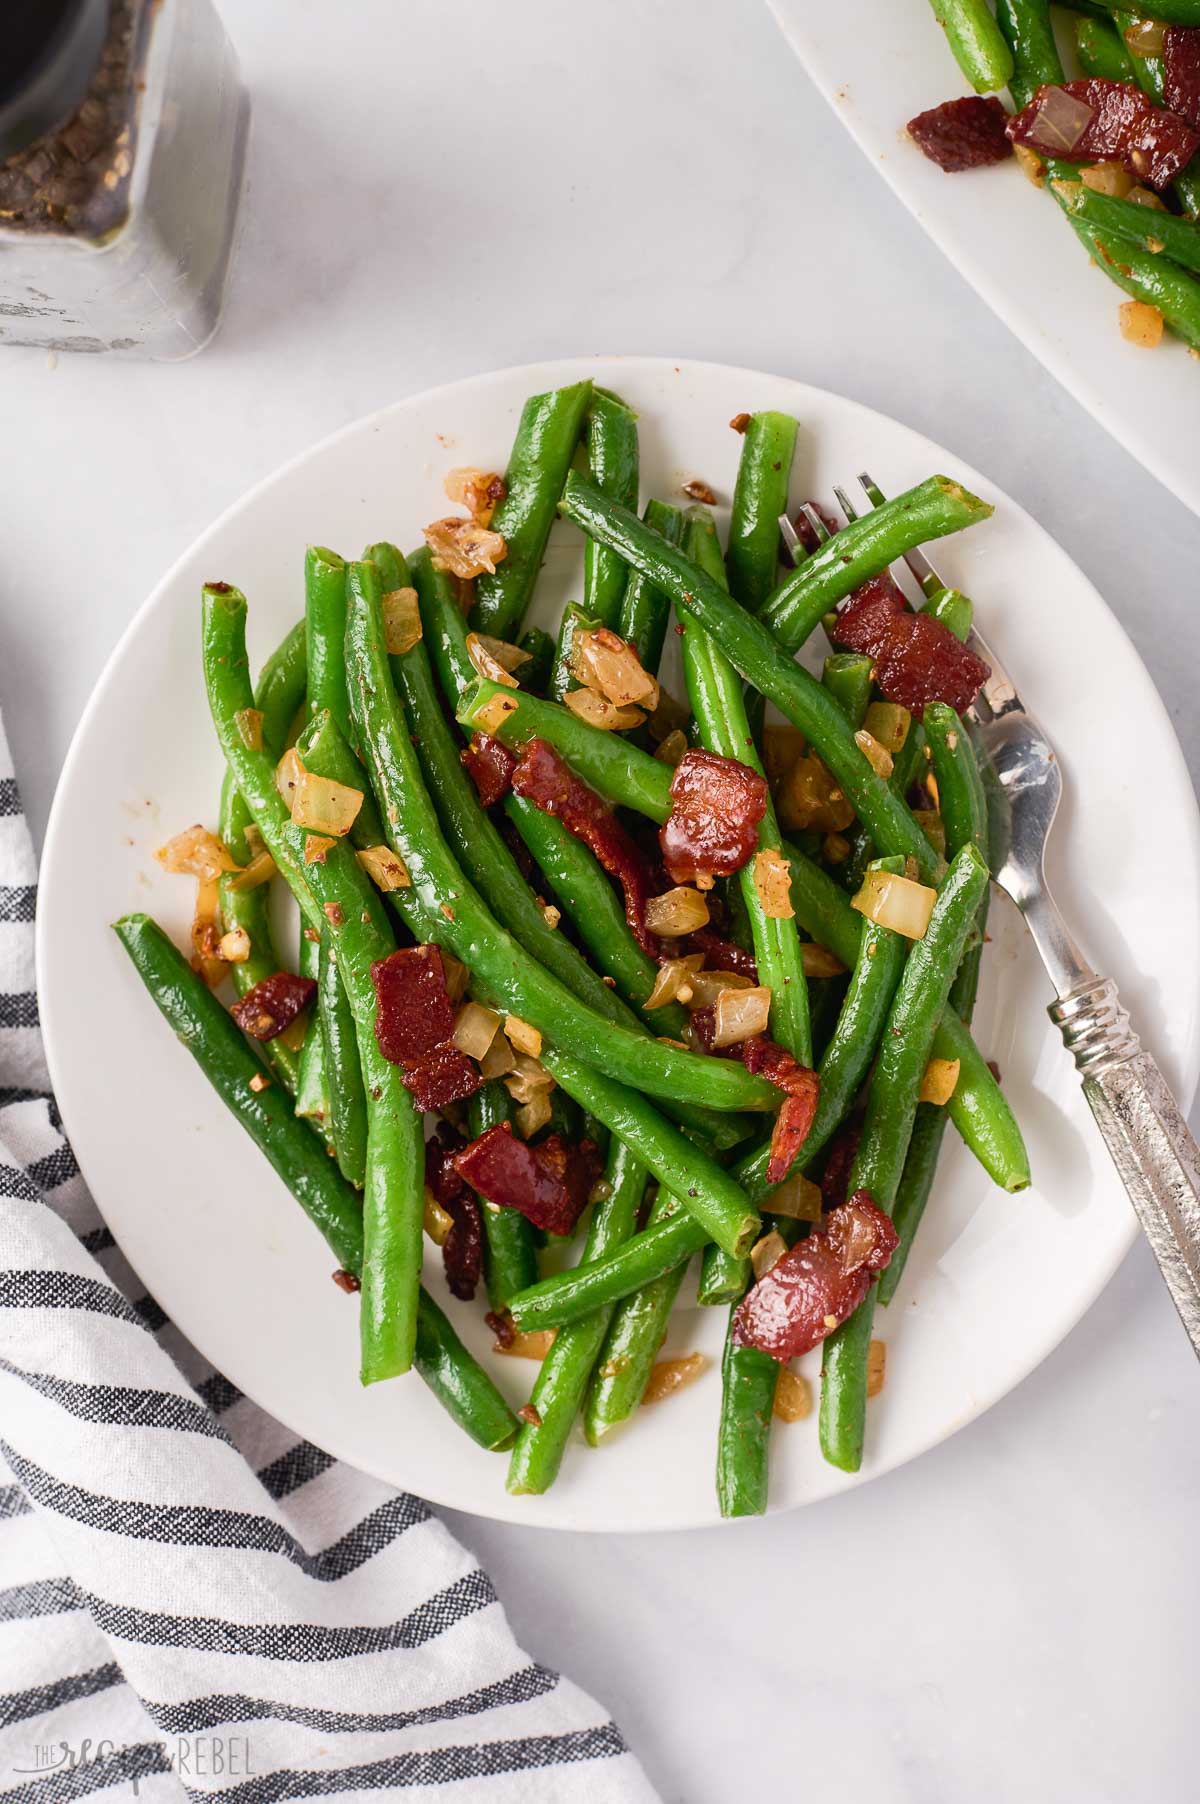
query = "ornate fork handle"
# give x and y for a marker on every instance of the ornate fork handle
(1149, 1140)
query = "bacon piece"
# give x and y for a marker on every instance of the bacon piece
(712, 829)
(1181, 72)
(548, 1184)
(437, 1078)
(720, 954)
(917, 658)
(962, 134)
(490, 765)
(839, 1162)
(272, 1004)
(413, 1009)
(819, 1283)
(1111, 121)
(543, 777)
(801, 1088)
(462, 1250)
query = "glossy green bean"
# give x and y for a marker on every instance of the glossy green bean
(450, 910)
(343, 1071)
(749, 1380)
(1028, 29)
(539, 651)
(1157, 234)
(325, 615)
(227, 1061)
(562, 1380)
(645, 610)
(760, 496)
(571, 1295)
(573, 624)
(509, 1247)
(611, 440)
(547, 434)
(638, 1327)
(1102, 50)
(961, 801)
(847, 675)
(887, 1129)
(952, 608)
(975, 43)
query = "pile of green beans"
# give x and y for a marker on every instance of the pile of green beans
(685, 1138)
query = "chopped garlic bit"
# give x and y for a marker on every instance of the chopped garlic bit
(234, 947)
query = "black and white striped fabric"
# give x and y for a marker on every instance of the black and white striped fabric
(192, 1603)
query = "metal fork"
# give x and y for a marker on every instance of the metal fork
(1142, 1124)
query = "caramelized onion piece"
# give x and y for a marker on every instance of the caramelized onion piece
(249, 722)
(486, 663)
(463, 547)
(599, 712)
(524, 1037)
(401, 621)
(674, 979)
(798, 1198)
(475, 1027)
(773, 882)
(479, 491)
(234, 946)
(670, 1375)
(896, 902)
(196, 853)
(676, 912)
(706, 986)
(386, 869)
(939, 1079)
(603, 661)
(818, 961)
(533, 1115)
(323, 806)
(767, 1251)
(740, 1014)
(494, 713)
(876, 1367)
(793, 1396)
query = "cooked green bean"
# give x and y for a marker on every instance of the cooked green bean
(215, 1042)
(539, 651)
(547, 434)
(749, 1380)
(573, 624)
(952, 608)
(961, 801)
(887, 1129)
(1157, 234)
(645, 610)
(343, 1071)
(848, 675)
(569, 1296)
(1102, 50)
(325, 615)
(563, 1378)
(509, 1247)
(611, 438)
(975, 42)
(626, 1358)
(760, 496)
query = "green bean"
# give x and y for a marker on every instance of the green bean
(325, 614)
(847, 675)
(626, 1359)
(645, 610)
(760, 496)
(227, 1061)
(748, 645)
(975, 42)
(573, 624)
(1102, 50)
(1147, 71)
(312, 1089)
(537, 468)
(343, 1071)
(338, 894)
(539, 651)
(1148, 277)
(569, 1296)
(563, 1378)
(952, 608)
(715, 694)
(509, 1248)
(712, 1195)
(887, 1129)
(722, 1277)
(611, 437)
(1158, 234)
(749, 1380)
(961, 801)
(448, 908)
(1028, 30)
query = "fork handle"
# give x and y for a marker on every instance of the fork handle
(1145, 1132)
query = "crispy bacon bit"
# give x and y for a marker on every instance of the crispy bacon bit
(346, 1281)
(696, 490)
(502, 1327)
(917, 658)
(819, 1283)
(1181, 72)
(717, 804)
(543, 777)
(272, 1004)
(740, 421)
(414, 1013)
(462, 1249)
(438, 1078)
(792, 1126)
(962, 134)
(529, 1415)
(719, 954)
(479, 491)
(1091, 121)
(548, 1184)
(490, 766)
(464, 548)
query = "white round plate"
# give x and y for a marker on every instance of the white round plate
(879, 63)
(996, 1280)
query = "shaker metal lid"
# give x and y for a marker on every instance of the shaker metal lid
(49, 50)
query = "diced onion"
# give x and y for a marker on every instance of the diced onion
(772, 882)
(463, 547)
(1030, 164)
(401, 621)
(896, 902)
(811, 797)
(479, 491)
(526, 1078)
(248, 722)
(888, 723)
(876, 755)
(740, 1014)
(1107, 178)
(766, 1252)
(492, 716)
(1060, 120)
(1145, 37)
(672, 748)
(551, 915)
(486, 664)
(1141, 323)
(598, 712)
(938, 1080)
(793, 1396)
(323, 806)
(781, 746)
(456, 975)
(1146, 197)
(260, 869)
(818, 961)
(876, 1367)
(438, 1221)
(603, 661)
(798, 1198)
(674, 974)
(534, 1345)
(316, 846)
(524, 1037)
(499, 1059)
(386, 869)
(676, 912)
(475, 1028)
(931, 825)
(533, 1115)
(670, 1375)
(509, 657)
(288, 773)
(196, 853)
(294, 1033)
(836, 848)
(706, 986)
(206, 959)
(235, 946)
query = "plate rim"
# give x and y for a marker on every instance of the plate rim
(550, 372)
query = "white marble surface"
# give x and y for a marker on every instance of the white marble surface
(435, 191)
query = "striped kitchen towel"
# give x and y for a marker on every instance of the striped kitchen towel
(193, 1603)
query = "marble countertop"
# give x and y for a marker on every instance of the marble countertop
(435, 192)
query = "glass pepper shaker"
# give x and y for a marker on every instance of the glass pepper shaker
(122, 145)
